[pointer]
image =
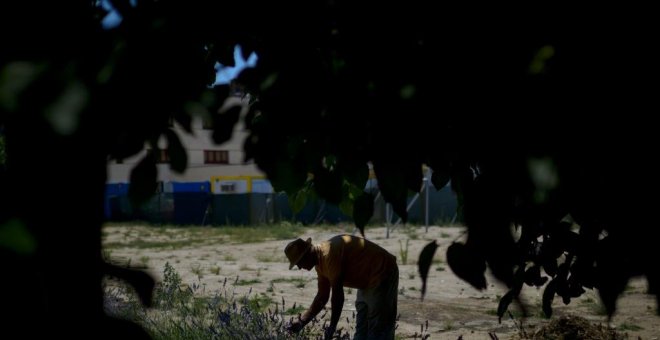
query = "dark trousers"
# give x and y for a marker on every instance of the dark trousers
(376, 309)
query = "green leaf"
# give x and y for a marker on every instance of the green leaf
(15, 237)
(353, 191)
(346, 206)
(178, 155)
(537, 65)
(363, 209)
(424, 263)
(143, 180)
(299, 201)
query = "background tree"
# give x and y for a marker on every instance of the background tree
(535, 114)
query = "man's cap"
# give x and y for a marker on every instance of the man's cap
(295, 250)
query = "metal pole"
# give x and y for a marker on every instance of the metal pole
(427, 186)
(387, 220)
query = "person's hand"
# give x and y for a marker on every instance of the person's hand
(295, 326)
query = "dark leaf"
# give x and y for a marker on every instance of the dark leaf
(518, 280)
(440, 175)
(392, 185)
(551, 248)
(249, 148)
(185, 120)
(569, 241)
(400, 209)
(224, 53)
(439, 179)
(286, 177)
(541, 281)
(612, 282)
(328, 185)
(141, 281)
(414, 176)
(357, 173)
(467, 265)
(584, 272)
(652, 281)
(143, 180)
(532, 275)
(177, 153)
(128, 144)
(575, 290)
(548, 296)
(550, 266)
(252, 78)
(654, 286)
(16, 237)
(424, 263)
(505, 301)
(363, 209)
(224, 121)
(461, 182)
(123, 7)
(562, 281)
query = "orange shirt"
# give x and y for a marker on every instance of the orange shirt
(363, 263)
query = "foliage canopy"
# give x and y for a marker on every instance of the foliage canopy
(537, 116)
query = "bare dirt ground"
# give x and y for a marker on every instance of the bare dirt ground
(451, 307)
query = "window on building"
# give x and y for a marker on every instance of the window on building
(216, 157)
(228, 187)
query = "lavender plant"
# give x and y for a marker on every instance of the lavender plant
(183, 312)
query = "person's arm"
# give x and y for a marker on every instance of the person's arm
(337, 303)
(321, 298)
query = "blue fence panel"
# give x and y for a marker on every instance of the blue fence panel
(191, 202)
(115, 205)
(231, 209)
(204, 187)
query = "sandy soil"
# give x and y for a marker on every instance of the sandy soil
(451, 307)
